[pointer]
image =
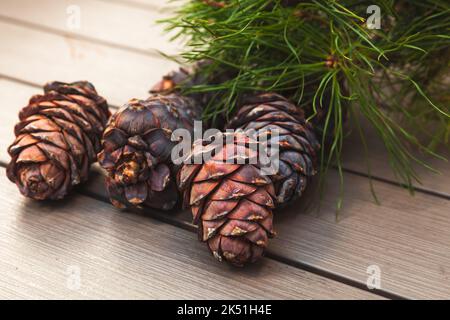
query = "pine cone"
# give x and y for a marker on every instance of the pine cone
(298, 145)
(231, 203)
(137, 150)
(170, 82)
(57, 139)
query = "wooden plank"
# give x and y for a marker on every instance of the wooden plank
(111, 23)
(407, 237)
(38, 57)
(45, 245)
(354, 160)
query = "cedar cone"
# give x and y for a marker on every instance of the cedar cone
(57, 139)
(231, 203)
(137, 150)
(298, 145)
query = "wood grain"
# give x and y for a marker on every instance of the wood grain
(38, 57)
(406, 237)
(113, 24)
(434, 182)
(125, 256)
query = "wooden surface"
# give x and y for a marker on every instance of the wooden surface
(128, 256)
(156, 255)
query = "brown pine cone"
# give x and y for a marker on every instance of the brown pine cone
(231, 203)
(298, 145)
(170, 82)
(57, 139)
(137, 150)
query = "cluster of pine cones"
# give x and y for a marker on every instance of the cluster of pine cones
(63, 131)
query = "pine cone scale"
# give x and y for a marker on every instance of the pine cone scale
(160, 177)
(218, 209)
(137, 193)
(202, 189)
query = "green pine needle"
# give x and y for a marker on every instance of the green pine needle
(321, 55)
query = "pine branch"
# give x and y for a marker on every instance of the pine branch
(321, 55)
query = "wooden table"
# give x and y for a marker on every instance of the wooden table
(84, 248)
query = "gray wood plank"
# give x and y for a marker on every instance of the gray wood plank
(81, 248)
(354, 159)
(111, 23)
(38, 57)
(407, 237)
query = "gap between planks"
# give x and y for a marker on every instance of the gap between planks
(119, 26)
